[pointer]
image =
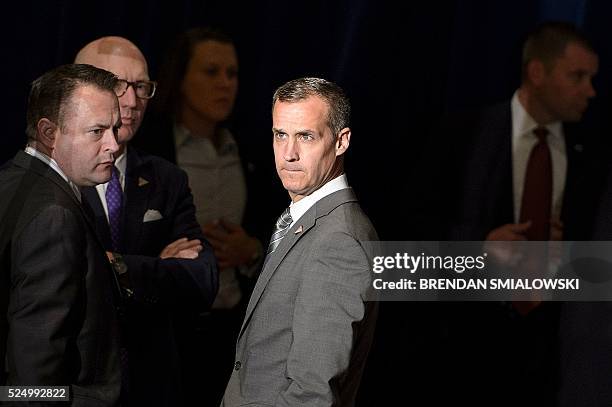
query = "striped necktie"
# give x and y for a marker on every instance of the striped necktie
(280, 230)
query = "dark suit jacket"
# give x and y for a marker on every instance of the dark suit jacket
(486, 195)
(60, 313)
(499, 349)
(168, 293)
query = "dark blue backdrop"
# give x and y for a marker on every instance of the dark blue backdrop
(402, 64)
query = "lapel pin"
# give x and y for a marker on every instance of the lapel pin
(299, 230)
(142, 181)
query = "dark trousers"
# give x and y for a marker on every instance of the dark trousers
(208, 369)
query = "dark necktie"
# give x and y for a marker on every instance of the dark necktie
(537, 191)
(536, 206)
(280, 230)
(114, 199)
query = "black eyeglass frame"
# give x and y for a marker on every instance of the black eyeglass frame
(134, 86)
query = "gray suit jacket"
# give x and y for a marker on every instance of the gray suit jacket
(308, 327)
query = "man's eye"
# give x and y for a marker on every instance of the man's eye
(307, 137)
(97, 132)
(280, 135)
(577, 76)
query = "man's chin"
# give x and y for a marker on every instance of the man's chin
(125, 134)
(98, 179)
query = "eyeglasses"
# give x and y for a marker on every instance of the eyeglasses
(143, 89)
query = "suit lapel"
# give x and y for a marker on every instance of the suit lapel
(573, 152)
(295, 233)
(306, 222)
(31, 163)
(496, 142)
(136, 199)
(28, 162)
(102, 228)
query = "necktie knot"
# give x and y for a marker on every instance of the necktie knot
(280, 230)
(284, 220)
(541, 132)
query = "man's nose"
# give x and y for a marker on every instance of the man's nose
(128, 99)
(590, 90)
(110, 141)
(291, 150)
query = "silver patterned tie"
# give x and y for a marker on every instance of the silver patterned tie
(280, 229)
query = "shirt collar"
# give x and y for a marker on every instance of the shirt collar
(53, 164)
(300, 207)
(523, 124)
(121, 162)
(181, 134)
(227, 143)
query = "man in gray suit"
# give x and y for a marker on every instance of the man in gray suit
(308, 327)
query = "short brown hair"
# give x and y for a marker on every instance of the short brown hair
(50, 93)
(548, 42)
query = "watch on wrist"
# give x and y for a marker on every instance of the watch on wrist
(118, 264)
(121, 270)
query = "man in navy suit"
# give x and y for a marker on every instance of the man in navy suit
(558, 65)
(511, 349)
(148, 225)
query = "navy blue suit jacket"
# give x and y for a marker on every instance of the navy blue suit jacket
(486, 197)
(168, 293)
(501, 350)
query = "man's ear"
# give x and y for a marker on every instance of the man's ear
(536, 71)
(342, 141)
(46, 133)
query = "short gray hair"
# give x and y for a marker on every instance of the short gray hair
(339, 112)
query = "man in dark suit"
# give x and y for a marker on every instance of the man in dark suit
(59, 324)
(309, 326)
(146, 219)
(496, 200)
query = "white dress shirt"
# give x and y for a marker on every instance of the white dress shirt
(523, 141)
(217, 182)
(299, 208)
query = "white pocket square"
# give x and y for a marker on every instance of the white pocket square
(151, 215)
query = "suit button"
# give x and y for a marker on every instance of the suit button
(237, 365)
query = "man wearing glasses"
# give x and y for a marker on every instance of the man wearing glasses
(146, 219)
